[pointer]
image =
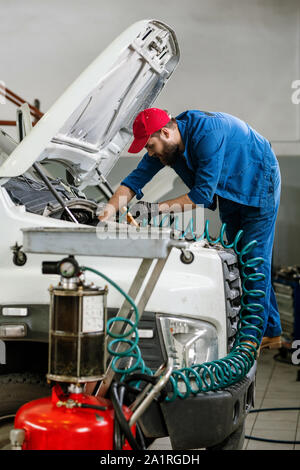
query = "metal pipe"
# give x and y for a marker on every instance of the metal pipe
(34, 110)
(8, 123)
(17, 103)
(154, 392)
(146, 389)
(54, 192)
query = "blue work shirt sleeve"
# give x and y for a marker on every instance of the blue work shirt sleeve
(208, 156)
(144, 172)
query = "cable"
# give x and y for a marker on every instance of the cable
(275, 409)
(92, 407)
(273, 440)
(121, 418)
(140, 437)
(118, 435)
(7, 417)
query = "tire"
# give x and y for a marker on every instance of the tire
(17, 389)
(234, 442)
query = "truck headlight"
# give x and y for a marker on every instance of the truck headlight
(188, 341)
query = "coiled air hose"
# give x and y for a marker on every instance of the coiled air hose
(217, 374)
(133, 351)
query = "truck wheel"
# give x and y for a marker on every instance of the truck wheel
(234, 442)
(15, 391)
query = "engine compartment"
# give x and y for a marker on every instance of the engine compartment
(38, 199)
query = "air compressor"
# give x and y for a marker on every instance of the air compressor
(71, 419)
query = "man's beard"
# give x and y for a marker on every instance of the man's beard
(170, 155)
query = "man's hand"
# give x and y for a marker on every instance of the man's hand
(144, 210)
(107, 212)
(119, 199)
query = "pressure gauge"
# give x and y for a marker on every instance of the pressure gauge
(68, 267)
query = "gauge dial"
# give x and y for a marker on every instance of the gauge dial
(68, 268)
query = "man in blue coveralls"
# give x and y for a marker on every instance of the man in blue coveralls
(217, 156)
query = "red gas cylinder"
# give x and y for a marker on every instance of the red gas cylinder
(58, 423)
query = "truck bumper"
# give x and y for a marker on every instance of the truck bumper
(204, 420)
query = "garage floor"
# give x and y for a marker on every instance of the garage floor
(276, 387)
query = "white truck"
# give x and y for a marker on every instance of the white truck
(82, 137)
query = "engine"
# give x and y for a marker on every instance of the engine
(38, 199)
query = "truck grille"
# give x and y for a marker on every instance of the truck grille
(150, 347)
(233, 292)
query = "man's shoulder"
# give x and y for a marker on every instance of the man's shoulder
(189, 114)
(188, 121)
(194, 116)
(200, 123)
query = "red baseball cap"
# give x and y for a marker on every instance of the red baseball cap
(146, 123)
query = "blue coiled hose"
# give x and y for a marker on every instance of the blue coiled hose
(213, 375)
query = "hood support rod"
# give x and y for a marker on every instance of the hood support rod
(53, 191)
(38, 169)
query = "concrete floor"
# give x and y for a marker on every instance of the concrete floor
(276, 387)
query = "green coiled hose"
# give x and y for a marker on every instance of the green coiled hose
(213, 375)
(133, 350)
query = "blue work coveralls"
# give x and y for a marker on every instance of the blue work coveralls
(225, 158)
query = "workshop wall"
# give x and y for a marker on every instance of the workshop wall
(237, 56)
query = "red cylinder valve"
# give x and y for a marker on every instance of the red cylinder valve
(60, 423)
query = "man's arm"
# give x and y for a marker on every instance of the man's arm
(131, 186)
(177, 205)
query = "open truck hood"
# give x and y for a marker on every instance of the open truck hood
(90, 124)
